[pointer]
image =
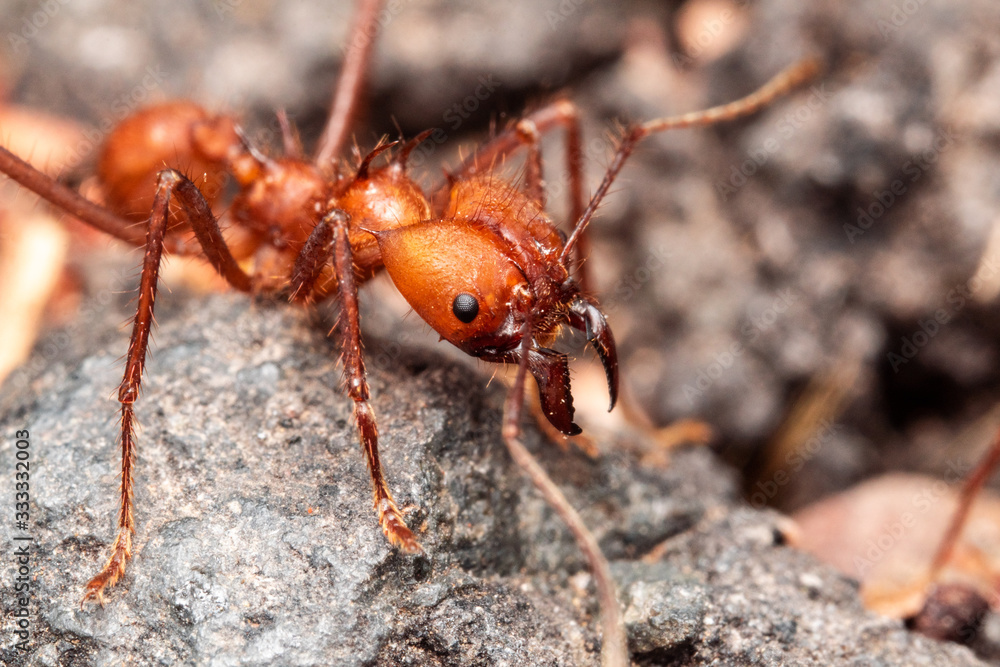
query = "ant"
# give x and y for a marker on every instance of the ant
(478, 259)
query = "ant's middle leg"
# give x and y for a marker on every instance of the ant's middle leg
(330, 237)
(971, 487)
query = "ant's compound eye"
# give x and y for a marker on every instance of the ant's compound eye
(465, 307)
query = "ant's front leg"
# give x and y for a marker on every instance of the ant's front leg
(332, 230)
(614, 652)
(170, 183)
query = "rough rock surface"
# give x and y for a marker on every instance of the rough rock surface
(753, 234)
(257, 544)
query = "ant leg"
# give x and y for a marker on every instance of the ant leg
(128, 391)
(389, 516)
(563, 112)
(555, 114)
(614, 651)
(311, 260)
(528, 132)
(170, 183)
(534, 185)
(66, 199)
(290, 142)
(781, 84)
(970, 489)
(574, 166)
(352, 74)
(205, 227)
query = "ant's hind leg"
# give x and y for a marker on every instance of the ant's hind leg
(128, 392)
(350, 82)
(170, 183)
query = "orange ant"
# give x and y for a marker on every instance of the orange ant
(479, 259)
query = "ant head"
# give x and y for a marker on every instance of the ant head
(481, 292)
(458, 278)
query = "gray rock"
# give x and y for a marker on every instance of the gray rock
(664, 616)
(257, 544)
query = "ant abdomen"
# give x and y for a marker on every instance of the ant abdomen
(178, 134)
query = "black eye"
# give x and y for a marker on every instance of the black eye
(465, 307)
